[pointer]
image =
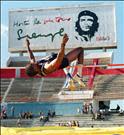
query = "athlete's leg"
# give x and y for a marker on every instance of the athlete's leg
(77, 53)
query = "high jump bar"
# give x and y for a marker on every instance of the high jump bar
(88, 66)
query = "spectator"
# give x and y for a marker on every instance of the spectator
(49, 114)
(121, 113)
(118, 108)
(90, 108)
(77, 123)
(41, 116)
(53, 114)
(18, 123)
(4, 115)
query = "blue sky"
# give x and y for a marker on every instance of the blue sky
(8, 5)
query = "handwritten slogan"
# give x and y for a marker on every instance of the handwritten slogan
(36, 21)
(91, 27)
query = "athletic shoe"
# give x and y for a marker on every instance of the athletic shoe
(78, 79)
(69, 84)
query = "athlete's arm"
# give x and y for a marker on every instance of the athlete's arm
(61, 52)
(31, 56)
(53, 66)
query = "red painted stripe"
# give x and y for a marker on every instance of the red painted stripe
(11, 72)
(7, 73)
(113, 71)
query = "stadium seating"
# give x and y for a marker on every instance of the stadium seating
(4, 86)
(110, 87)
(85, 120)
(46, 89)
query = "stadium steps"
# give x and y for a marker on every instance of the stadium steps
(4, 86)
(13, 122)
(50, 87)
(86, 121)
(65, 119)
(110, 87)
(45, 89)
(36, 122)
(23, 88)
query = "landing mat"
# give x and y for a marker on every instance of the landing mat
(62, 131)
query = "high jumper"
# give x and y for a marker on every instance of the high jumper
(55, 61)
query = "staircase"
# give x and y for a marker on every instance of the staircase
(86, 121)
(110, 87)
(4, 86)
(31, 89)
(46, 89)
(24, 90)
(36, 122)
(50, 87)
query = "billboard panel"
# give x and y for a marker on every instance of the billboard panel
(89, 26)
